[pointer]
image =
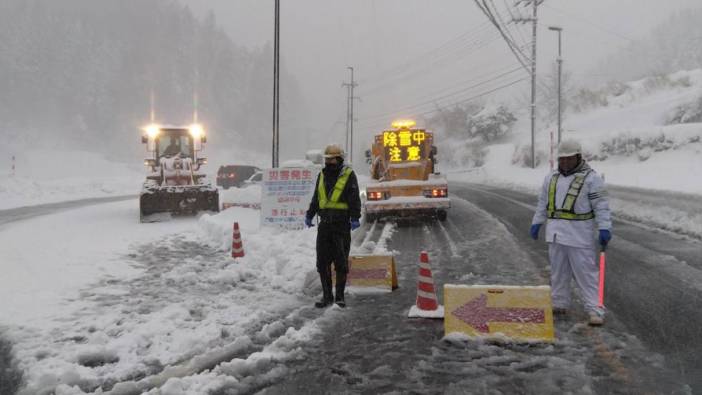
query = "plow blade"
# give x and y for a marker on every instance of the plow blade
(154, 204)
(407, 207)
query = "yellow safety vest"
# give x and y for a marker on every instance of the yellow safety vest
(567, 212)
(333, 203)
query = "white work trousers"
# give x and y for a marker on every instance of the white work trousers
(574, 262)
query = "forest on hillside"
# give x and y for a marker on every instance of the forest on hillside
(85, 70)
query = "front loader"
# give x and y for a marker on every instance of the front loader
(174, 184)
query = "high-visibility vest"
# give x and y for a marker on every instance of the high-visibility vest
(567, 212)
(333, 203)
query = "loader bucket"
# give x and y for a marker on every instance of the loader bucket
(156, 203)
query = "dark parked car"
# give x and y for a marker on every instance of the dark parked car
(234, 175)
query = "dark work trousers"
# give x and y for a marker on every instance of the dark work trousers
(333, 245)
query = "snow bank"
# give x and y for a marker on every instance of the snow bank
(138, 300)
(249, 194)
(44, 176)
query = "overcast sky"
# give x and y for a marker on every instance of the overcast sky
(411, 56)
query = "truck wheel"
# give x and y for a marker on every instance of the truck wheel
(441, 215)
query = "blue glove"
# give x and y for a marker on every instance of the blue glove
(308, 222)
(355, 224)
(534, 231)
(605, 237)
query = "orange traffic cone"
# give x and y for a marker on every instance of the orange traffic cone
(237, 245)
(427, 305)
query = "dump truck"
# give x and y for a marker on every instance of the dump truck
(405, 182)
(174, 181)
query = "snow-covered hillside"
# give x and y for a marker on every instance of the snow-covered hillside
(633, 140)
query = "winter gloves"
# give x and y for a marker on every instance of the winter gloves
(605, 237)
(355, 224)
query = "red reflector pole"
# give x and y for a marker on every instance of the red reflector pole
(602, 276)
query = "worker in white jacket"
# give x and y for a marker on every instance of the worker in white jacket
(574, 201)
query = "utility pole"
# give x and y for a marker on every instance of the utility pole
(559, 60)
(276, 86)
(349, 114)
(534, 22)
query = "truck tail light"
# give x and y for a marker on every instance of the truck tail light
(436, 193)
(375, 195)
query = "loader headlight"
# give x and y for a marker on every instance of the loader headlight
(152, 130)
(196, 131)
(149, 162)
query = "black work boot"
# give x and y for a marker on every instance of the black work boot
(327, 296)
(340, 286)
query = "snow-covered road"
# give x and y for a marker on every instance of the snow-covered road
(99, 302)
(374, 348)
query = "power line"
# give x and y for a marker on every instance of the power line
(378, 125)
(474, 46)
(434, 100)
(452, 104)
(475, 97)
(428, 54)
(485, 8)
(513, 18)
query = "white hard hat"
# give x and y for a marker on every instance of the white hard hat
(333, 151)
(569, 148)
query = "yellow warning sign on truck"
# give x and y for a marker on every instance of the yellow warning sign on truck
(522, 313)
(372, 272)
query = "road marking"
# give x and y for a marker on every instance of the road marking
(451, 243)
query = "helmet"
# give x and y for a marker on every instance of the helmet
(333, 151)
(569, 148)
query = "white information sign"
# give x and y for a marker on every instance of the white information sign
(286, 194)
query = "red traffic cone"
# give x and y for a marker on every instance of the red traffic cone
(237, 245)
(427, 305)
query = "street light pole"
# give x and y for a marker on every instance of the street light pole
(559, 60)
(276, 87)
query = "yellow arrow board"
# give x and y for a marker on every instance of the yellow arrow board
(372, 271)
(521, 313)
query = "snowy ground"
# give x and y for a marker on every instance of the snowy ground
(46, 176)
(94, 300)
(120, 304)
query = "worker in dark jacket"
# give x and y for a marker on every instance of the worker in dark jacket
(336, 200)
